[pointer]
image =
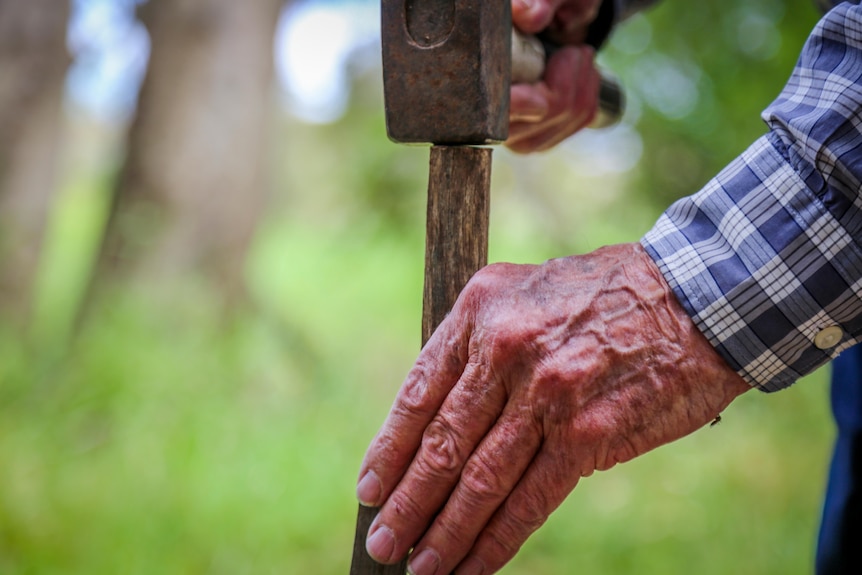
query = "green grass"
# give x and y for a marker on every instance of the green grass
(166, 440)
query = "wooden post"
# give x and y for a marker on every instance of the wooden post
(456, 247)
(456, 237)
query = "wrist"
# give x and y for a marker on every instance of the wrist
(719, 381)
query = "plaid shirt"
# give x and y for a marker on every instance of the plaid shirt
(767, 257)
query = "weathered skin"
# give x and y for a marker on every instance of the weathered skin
(540, 375)
(544, 114)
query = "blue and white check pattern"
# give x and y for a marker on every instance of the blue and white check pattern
(769, 252)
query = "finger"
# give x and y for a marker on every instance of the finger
(533, 16)
(464, 418)
(577, 12)
(437, 369)
(527, 104)
(489, 476)
(525, 138)
(572, 73)
(559, 87)
(567, 20)
(578, 110)
(545, 485)
(571, 19)
(573, 82)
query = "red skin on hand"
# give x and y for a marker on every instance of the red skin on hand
(544, 114)
(540, 375)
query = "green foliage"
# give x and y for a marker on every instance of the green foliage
(167, 439)
(698, 77)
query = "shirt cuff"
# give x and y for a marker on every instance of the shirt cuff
(763, 268)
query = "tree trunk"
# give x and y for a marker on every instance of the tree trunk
(193, 185)
(33, 63)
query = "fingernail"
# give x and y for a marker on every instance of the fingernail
(426, 563)
(369, 489)
(381, 544)
(471, 566)
(525, 4)
(529, 118)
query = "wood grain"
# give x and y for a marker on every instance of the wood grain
(456, 246)
(456, 232)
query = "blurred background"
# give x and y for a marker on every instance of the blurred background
(210, 287)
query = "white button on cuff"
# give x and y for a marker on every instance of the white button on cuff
(828, 337)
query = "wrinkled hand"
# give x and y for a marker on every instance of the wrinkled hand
(544, 114)
(539, 376)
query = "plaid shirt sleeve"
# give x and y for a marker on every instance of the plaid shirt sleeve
(767, 257)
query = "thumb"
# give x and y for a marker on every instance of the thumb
(533, 16)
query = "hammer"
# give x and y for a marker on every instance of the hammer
(447, 71)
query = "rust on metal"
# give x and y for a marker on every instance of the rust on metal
(446, 70)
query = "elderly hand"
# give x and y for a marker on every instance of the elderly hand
(540, 375)
(542, 115)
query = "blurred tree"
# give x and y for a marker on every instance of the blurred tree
(192, 186)
(33, 63)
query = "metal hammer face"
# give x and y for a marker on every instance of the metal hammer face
(446, 70)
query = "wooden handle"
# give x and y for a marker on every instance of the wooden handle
(362, 563)
(456, 233)
(456, 247)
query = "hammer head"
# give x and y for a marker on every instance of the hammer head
(446, 70)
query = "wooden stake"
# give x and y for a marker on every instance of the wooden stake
(456, 228)
(456, 247)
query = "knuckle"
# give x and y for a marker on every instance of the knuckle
(450, 529)
(413, 398)
(441, 454)
(513, 524)
(487, 280)
(405, 508)
(525, 516)
(479, 286)
(502, 539)
(502, 544)
(482, 481)
(622, 450)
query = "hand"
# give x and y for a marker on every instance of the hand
(566, 20)
(542, 115)
(539, 376)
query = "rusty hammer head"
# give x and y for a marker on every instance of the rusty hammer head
(446, 70)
